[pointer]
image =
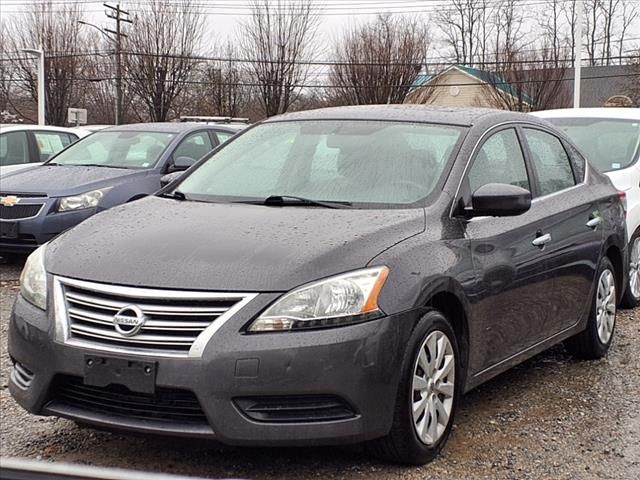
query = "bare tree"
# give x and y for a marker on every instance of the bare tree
(594, 31)
(531, 82)
(553, 29)
(160, 53)
(509, 18)
(55, 27)
(228, 88)
(571, 16)
(459, 23)
(378, 61)
(276, 37)
(630, 14)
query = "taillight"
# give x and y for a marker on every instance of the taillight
(623, 199)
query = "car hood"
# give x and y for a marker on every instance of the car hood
(63, 180)
(164, 243)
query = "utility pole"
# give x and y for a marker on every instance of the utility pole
(577, 63)
(117, 14)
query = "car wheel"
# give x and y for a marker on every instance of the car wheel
(427, 395)
(595, 340)
(631, 297)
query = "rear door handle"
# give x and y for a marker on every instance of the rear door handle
(594, 222)
(542, 240)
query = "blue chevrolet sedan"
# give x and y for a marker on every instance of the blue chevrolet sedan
(113, 166)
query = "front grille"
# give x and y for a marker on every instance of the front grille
(165, 405)
(20, 211)
(295, 408)
(23, 195)
(21, 375)
(174, 320)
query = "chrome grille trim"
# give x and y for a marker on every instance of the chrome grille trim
(81, 318)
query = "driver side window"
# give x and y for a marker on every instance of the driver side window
(499, 160)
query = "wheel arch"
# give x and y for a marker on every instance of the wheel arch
(616, 257)
(448, 298)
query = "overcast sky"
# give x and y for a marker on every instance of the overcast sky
(224, 16)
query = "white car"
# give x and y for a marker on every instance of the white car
(24, 146)
(610, 138)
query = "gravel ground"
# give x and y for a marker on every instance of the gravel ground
(552, 417)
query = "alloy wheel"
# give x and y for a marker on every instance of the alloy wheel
(634, 269)
(433, 387)
(606, 306)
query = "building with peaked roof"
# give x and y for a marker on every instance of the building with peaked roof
(463, 86)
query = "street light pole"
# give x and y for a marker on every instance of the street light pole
(41, 83)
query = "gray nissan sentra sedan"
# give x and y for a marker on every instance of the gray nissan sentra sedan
(327, 277)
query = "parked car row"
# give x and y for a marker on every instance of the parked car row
(112, 166)
(334, 276)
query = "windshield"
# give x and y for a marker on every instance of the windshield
(354, 162)
(115, 149)
(608, 144)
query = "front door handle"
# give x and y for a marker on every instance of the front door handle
(594, 222)
(542, 240)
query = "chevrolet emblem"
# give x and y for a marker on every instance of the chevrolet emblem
(9, 200)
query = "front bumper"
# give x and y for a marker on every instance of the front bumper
(33, 232)
(359, 364)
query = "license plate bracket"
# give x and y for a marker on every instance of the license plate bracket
(9, 230)
(137, 376)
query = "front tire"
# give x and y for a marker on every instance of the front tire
(427, 394)
(595, 340)
(631, 297)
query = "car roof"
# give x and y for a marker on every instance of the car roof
(161, 127)
(12, 127)
(602, 112)
(461, 116)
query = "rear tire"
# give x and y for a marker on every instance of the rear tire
(595, 340)
(430, 386)
(631, 297)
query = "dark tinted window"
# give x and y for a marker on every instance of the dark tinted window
(14, 148)
(499, 160)
(551, 161)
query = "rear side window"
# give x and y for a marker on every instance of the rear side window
(500, 160)
(223, 136)
(50, 143)
(195, 146)
(14, 148)
(578, 163)
(551, 161)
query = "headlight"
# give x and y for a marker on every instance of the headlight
(341, 300)
(84, 200)
(33, 281)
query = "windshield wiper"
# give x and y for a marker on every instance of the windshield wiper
(176, 195)
(286, 200)
(98, 165)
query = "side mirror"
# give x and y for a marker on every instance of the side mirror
(180, 164)
(499, 200)
(170, 177)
